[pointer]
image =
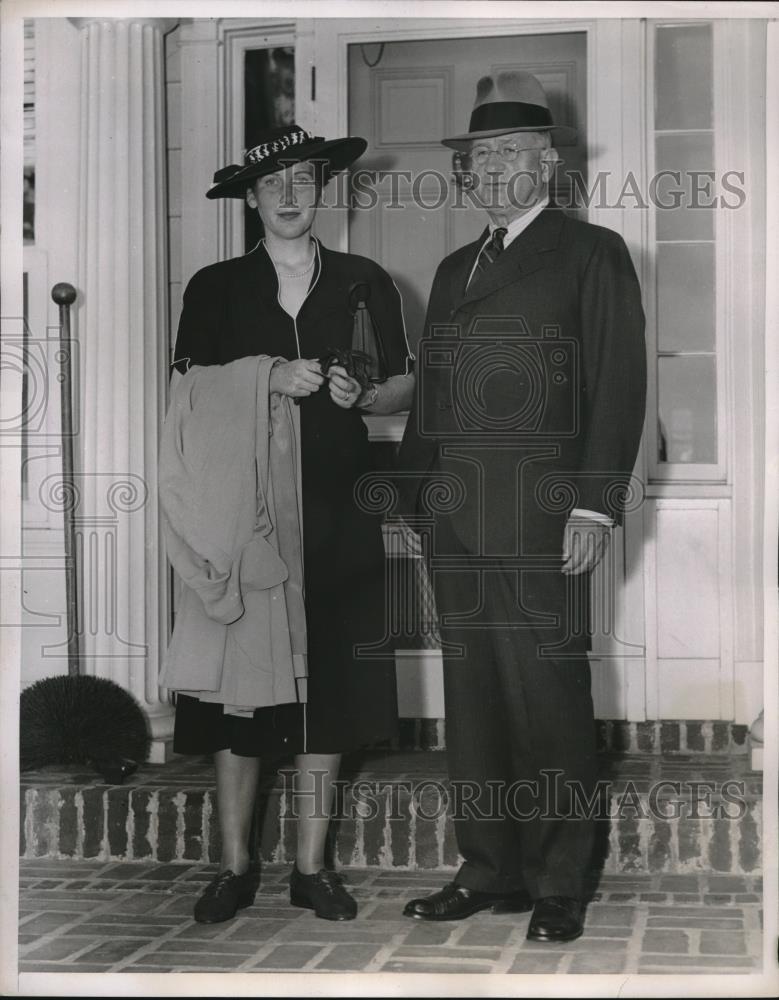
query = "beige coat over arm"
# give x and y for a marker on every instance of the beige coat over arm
(229, 486)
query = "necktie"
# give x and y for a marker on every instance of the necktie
(488, 254)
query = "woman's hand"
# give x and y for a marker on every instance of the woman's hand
(296, 378)
(344, 390)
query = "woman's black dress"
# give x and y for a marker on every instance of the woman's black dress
(231, 310)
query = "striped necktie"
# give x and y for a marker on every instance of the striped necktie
(488, 254)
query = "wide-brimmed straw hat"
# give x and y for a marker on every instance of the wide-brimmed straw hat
(513, 101)
(280, 147)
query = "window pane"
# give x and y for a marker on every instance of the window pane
(687, 404)
(681, 200)
(685, 297)
(683, 77)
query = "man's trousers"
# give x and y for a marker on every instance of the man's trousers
(520, 731)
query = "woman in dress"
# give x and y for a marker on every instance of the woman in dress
(290, 298)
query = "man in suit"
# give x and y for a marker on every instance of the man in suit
(528, 415)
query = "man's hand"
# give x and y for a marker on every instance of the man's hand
(344, 390)
(296, 378)
(584, 542)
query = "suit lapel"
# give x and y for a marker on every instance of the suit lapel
(464, 266)
(525, 255)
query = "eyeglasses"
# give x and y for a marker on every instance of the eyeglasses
(507, 151)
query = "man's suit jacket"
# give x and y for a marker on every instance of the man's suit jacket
(530, 388)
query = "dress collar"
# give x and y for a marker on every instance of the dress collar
(270, 282)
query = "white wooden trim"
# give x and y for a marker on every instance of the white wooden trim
(726, 624)
(615, 60)
(692, 474)
(771, 508)
(746, 55)
(11, 579)
(651, 692)
(200, 145)
(604, 116)
(650, 276)
(723, 623)
(681, 489)
(724, 248)
(44, 445)
(632, 605)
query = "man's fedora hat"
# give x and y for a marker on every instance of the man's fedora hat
(280, 147)
(509, 102)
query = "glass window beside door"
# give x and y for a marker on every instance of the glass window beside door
(685, 245)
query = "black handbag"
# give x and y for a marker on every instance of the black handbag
(365, 360)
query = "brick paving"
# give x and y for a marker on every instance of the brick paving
(82, 916)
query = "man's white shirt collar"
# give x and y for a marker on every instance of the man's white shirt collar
(520, 224)
(514, 228)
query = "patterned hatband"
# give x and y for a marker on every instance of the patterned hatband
(294, 137)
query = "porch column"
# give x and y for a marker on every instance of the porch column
(122, 333)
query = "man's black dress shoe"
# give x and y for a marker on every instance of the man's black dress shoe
(224, 895)
(556, 918)
(454, 902)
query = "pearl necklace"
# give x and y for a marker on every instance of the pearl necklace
(293, 274)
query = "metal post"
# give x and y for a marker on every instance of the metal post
(65, 295)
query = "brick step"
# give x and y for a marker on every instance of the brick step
(394, 812)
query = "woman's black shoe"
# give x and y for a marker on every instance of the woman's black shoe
(227, 893)
(323, 893)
